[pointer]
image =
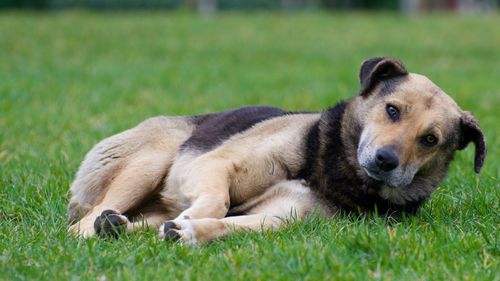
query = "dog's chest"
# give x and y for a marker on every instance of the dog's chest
(252, 177)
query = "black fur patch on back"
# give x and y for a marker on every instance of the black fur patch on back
(212, 129)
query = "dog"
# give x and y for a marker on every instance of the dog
(198, 178)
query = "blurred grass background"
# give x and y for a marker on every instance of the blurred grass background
(69, 79)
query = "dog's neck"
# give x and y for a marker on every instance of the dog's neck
(331, 167)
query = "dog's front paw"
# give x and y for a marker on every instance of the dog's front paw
(178, 230)
(110, 224)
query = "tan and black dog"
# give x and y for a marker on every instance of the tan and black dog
(200, 177)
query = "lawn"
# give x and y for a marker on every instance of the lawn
(69, 79)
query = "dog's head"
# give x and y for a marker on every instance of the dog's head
(410, 130)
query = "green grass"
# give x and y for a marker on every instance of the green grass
(69, 79)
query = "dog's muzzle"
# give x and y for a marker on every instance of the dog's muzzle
(383, 165)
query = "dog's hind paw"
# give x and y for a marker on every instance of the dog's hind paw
(110, 224)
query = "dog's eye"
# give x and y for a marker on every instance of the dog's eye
(392, 111)
(429, 140)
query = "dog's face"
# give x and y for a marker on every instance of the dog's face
(410, 130)
(414, 125)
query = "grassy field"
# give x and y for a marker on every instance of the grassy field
(70, 79)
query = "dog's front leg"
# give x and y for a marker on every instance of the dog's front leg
(207, 229)
(285, 201)
(203, 187)
(207, 205)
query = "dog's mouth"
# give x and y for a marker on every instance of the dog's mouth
(381, 177)
(374, 174)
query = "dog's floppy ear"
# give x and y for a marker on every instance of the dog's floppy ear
(471, 132)
(374, 70)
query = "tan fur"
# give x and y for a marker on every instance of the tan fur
(201, 185)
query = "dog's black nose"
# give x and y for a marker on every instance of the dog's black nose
(386, 159)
